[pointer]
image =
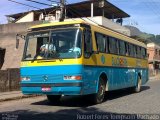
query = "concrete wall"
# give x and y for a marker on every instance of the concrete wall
(2, 54)
(9, 80)
(8, 41)
(14, 28)
(27, 18)
(105, 22)
(153, 51)
(134, 31)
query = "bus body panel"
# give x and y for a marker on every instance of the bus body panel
(118, 78)
(55, 79)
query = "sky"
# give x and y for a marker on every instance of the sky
(145, 14)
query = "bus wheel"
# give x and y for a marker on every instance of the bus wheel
(99, 96)
(137, 88)
(54, 98)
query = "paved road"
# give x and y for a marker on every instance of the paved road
(116, 104)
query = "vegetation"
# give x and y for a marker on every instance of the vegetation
(147, 38)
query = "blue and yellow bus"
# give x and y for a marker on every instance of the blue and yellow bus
(78, 58)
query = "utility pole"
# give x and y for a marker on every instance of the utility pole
(62, 6)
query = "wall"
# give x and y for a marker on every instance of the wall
(153, 58)
(2, 54)
(105, 22)
(27, 18)
(8, 41)
(9, 80)
(153, 55)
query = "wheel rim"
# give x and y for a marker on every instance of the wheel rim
(139, 84)
(101, 92)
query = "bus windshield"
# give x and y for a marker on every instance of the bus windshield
(54, 44)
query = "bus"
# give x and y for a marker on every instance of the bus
(78, 58)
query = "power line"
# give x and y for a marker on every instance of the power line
(53, 1)
(39, 2)
(24, 4)
(27, 5)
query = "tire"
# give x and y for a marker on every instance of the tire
(137, 88)
(98, 97)
(54, 98)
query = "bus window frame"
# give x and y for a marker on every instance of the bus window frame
(127, 44)
(106, 42)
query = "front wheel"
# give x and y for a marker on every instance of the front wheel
(54, 98)
(99, 96)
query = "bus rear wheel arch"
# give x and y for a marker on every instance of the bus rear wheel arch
(99, 96)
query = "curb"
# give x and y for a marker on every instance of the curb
(151, 80)
(19, 97)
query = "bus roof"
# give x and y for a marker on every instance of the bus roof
(97, 28)
(59, 23)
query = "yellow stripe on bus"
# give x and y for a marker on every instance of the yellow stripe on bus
(95, 60)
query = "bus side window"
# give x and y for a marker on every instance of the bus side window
(134, 51)
(113, 45)
(107, 44)
(138, 52)
(117, 46)
(101, 42)
(131, 50)
(122, 49)
(87, 43)
(126, 47)
(144, 53)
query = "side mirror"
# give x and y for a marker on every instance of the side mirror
(17, 42)
(17, 39)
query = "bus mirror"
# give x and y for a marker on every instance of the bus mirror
(17, 42)
(17, 39)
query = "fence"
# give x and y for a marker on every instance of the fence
(9, 80)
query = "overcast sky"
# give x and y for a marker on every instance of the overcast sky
(145, 14)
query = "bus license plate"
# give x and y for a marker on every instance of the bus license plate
(46, 89)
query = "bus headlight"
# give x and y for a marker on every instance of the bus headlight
(25, 78)
(77, 77)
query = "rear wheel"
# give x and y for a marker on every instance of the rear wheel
(54, 98)
(137, 88)
(99, 96)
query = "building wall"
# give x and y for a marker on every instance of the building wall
(105, 22)
(27, 18)
(8, 33)
(153, 51)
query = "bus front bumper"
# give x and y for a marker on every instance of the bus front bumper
(53, 88)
